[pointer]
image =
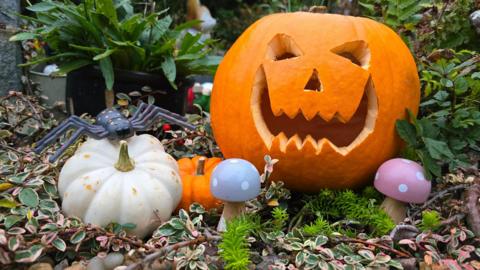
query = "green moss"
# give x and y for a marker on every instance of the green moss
(348, 205)
(430, 220)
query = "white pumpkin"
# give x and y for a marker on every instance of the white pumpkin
(106, 182)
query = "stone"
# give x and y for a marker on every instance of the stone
(95, 263)
(41, 266)
(10, 53)
(78, 266)
(113, 260)
(475, 19)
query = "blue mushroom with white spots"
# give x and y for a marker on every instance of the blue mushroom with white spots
(234, 181)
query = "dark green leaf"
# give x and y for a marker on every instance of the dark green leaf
(107, 71)
(170, 71)
(73, 65)
(406, 131)
(437, 149)
(23, 36)
(42, 6)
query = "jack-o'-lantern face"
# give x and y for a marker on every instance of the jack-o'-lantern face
(319, 92)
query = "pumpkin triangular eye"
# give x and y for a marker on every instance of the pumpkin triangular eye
(314, 83)
(356, 51)
(282, 47)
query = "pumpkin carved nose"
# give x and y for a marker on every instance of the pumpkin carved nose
(314, 83)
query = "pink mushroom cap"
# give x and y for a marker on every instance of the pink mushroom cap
(403, 180)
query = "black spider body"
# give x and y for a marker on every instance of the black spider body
(117, 125)
(110, 124)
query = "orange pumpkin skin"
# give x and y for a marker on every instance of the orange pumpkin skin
(291, 74)
(196, 188)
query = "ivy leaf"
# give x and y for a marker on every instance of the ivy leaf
(28, 197)
(59, 244)
(77, 237)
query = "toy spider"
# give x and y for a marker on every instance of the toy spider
(110, 124)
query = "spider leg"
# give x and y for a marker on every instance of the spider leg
(139, 114)
(141, 106)
(72, 139)
(72, 122)
(153, 114)
(53, 135)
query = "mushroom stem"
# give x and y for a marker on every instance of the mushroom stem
(395, 209)
(201, 166)
(124, 163)
(230, 211)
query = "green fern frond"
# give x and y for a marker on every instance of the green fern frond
(280, 218)
(234, 248)
(430, 220)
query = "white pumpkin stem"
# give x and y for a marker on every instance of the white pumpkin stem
(124, 163)
(201, 166)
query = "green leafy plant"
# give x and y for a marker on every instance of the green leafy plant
(451, 110)
(319, 226)
(428, 24)
(430, 220)
(280, 218)
(112, 36)
(234, 247)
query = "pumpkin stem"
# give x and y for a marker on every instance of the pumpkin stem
(124, 163)
(201, 166)
(318, 9)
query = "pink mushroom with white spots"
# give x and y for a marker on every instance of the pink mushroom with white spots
(401, 181)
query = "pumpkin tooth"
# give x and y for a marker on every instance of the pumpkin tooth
(309, 142)
(340, 118)
(309, 115)
(292, 113)
(279, 142)
(277, 111)
(326, 145)
(327, 116)
(294, 143)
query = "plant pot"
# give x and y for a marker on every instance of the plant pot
(52, 88)
(86, 90)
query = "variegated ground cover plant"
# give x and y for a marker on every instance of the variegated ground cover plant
(281, 230)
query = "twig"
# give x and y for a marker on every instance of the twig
(165, 250)
(387, 248)
(472, 199)
(452, 219)
(439, 195)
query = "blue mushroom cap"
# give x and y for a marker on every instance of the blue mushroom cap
(235, 180)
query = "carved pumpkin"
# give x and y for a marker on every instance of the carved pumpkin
(102, 184)
(319, 92)
(195, 175)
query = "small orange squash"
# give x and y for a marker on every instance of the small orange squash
(195, 174)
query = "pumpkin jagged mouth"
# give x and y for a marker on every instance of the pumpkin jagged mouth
(281, 130)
